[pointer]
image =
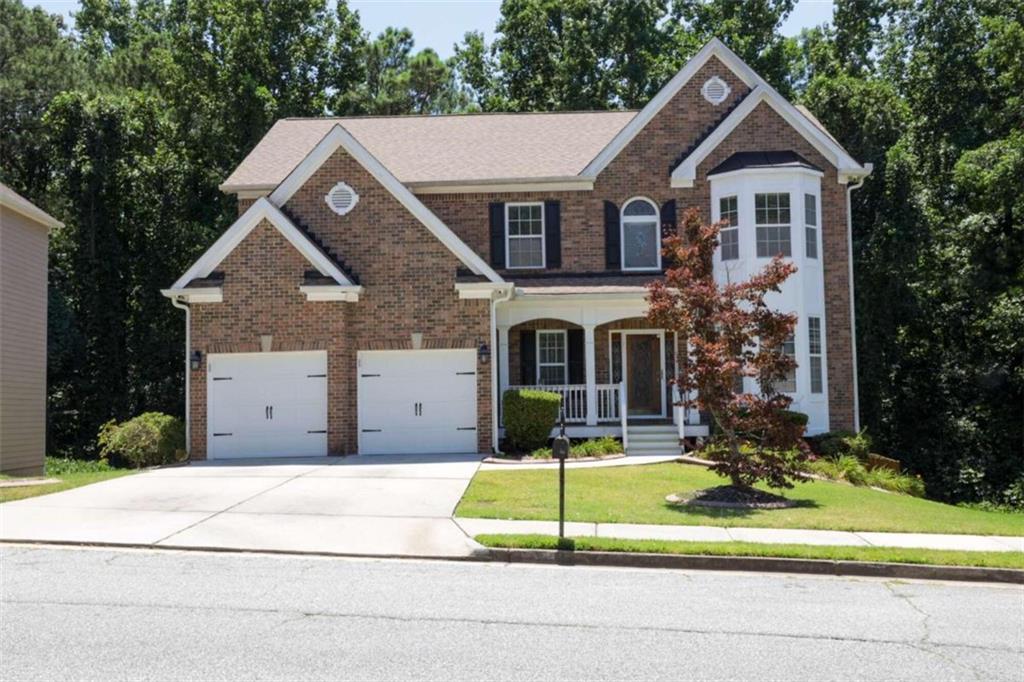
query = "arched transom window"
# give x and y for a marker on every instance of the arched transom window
(641, 245)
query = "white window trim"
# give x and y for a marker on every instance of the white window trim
(543, 238)
(760, 225)
(565, 356)
(639, 219)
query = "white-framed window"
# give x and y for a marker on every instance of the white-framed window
(524, 235)
(728, 212)
(552, 357)
(641, 235)
(788, 385)
(772, 218)
(811, 225)
(814, 353)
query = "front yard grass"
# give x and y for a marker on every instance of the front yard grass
(939, 557)
(70, 474)
(636, 494)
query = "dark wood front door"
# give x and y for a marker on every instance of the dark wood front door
(643, 374)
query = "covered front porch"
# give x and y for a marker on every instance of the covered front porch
(599, 352)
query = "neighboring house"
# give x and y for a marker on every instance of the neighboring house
(24, 230)
(389, 277)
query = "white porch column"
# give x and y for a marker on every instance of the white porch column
(590, 373)
(502, 364)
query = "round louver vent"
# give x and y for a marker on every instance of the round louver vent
(342, 198)
(715, 90)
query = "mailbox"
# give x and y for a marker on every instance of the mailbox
(560, 447)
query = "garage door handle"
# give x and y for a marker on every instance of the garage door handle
(271, 412)
(466, 428)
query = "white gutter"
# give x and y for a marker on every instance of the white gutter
(176, 302)
(853, 318)
(494, 366)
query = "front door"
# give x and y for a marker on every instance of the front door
(643, 375)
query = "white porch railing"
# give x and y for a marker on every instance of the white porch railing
(574, 399)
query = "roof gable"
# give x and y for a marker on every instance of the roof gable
(262, 210)
(337, 138)
(685, 174)
(761, 91)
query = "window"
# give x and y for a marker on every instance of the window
(728, 212)
(771, 215)
(811, 224)
(551, 357)
(814, 351)
(788, 385)
(524, 227)
(641, 247)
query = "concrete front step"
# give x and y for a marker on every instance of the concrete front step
(654, 448)
(648, 436)
(633, 452)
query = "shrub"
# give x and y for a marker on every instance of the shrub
(598, 447)
(150, 439)
(850, 469)
(58, 466)
(858, 445)
(794, 417)
(529, 416)
(830, 444)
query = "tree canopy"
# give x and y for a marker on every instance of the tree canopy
(124, 125)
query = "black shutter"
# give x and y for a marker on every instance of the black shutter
(528, 357)
(612, 243)
(668, 228)
(498, 234)
(576, 356)
(553, 234)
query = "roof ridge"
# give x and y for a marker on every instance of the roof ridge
(467, 114)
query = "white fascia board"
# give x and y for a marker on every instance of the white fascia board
(12, 200)
(482, 290)
(783, 170)
(196, 294)
(714, 48)
(685, 174)
(349, 294)
(233, 236)
(571, 184)
(339, 137)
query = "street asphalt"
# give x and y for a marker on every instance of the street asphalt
(98, 614)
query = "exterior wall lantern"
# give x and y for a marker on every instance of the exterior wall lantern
(195, 360)
(483, 352)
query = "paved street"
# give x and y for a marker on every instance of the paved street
(158, 615)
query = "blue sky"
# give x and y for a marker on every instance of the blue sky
(442, 23)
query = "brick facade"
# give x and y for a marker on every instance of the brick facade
(408, 274)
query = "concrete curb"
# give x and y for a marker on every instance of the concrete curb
(617, 559)
(760, 565)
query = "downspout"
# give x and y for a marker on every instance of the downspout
(853, 318)
(495, 362)
(176, 302)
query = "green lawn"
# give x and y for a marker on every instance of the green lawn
(636, 494)
(70, 480)
(751, 549)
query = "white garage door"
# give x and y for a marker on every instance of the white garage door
(421, 401)
(266, 405)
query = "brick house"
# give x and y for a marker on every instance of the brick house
(389, 277)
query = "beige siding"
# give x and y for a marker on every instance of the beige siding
(23, 253)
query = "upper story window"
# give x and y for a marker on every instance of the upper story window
(524, 234)
(771, 216)
(728, 212)
(641, 229)
(551, 357)
(811, 225)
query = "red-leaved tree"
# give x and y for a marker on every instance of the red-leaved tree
(729, 332)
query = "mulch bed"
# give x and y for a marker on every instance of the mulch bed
(730, 497)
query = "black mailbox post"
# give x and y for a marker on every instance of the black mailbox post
(560, 449)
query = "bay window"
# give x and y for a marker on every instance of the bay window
(771, 216)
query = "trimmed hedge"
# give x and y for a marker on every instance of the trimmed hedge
(529, 416)
(150, 439)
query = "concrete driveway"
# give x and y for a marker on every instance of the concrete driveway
(373, 505)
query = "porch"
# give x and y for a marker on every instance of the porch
(600, 354)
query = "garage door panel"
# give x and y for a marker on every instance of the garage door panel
(267, 405)
(417, 401)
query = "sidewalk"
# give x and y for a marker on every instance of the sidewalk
(632, 531)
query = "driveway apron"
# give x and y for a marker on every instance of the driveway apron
(375, 505)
